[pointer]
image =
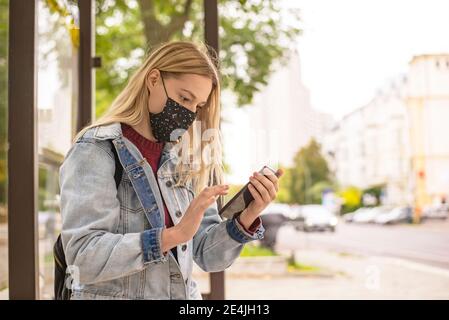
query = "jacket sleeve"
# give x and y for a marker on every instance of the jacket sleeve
(218, 243)
(90, 214)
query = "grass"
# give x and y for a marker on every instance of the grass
(295, 266)
(345, 254)
(256, 251)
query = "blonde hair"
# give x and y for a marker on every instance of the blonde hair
(172, 59)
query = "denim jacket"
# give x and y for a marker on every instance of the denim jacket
(112, 236)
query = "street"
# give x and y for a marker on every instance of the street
(427, 243)
(365, 262)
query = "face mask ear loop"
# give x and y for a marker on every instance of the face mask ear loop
(163, 84)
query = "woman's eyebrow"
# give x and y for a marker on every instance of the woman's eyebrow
(193, 96)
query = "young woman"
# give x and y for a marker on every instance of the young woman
(138, 239)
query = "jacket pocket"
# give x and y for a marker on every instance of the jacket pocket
(134, 219)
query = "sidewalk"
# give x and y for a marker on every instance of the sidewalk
(354, 277)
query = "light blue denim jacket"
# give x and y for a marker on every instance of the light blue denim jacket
(112, 237)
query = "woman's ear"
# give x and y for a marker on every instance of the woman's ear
(152, 78)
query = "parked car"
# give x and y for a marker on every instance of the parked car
(280, 208)
(396, 215)
(317, 218)
(368, 216)
(440, 211)
(296, 217)
(349, 217)
(273, 217)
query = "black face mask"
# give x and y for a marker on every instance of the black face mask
(173, 117)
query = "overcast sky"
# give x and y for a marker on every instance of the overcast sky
(349, 48)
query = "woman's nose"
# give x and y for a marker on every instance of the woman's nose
(192, 108)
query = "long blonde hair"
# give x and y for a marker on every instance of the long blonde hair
(172, 59)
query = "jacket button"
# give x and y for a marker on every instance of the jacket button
(168, 183)
(184, 247)
(178, 214)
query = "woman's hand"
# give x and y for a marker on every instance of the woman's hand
(189, 224)
(264, 189)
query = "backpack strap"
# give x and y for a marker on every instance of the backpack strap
(118, 166)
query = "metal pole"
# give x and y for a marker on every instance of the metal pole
(22, 152)
(217, 279)
(86, 76)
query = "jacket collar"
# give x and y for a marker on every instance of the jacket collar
(114, 131)
(109, 131)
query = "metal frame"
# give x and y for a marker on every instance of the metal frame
(86, 77)
(217, 279)
(22, 153)
(22, 134)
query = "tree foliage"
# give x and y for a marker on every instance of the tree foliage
(310, 174)
(253, 36)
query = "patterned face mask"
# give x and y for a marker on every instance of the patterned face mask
(171, 123)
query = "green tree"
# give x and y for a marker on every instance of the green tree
(309, 174)
(284, 194)
(375, 191)
(252, 37)
(314, 193)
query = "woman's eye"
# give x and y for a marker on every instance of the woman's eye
(184, 99)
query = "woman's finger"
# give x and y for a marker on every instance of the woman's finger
(256, 195)
(267, 183)
(279, 173)
(261, 188)
(273, 178)
(214, 190)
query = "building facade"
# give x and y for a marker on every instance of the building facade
(398, 140)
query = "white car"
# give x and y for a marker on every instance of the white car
(317, 217)
(349, 217)
(399, 214)
(278, 208)
(367, 216)
(440, 211)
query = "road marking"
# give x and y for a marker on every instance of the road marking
(414, 266)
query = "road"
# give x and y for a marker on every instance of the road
(427, 243)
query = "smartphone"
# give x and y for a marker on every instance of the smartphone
(241, 200)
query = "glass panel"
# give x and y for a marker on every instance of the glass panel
(4, 21)
(123, 22)
(57, 69)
